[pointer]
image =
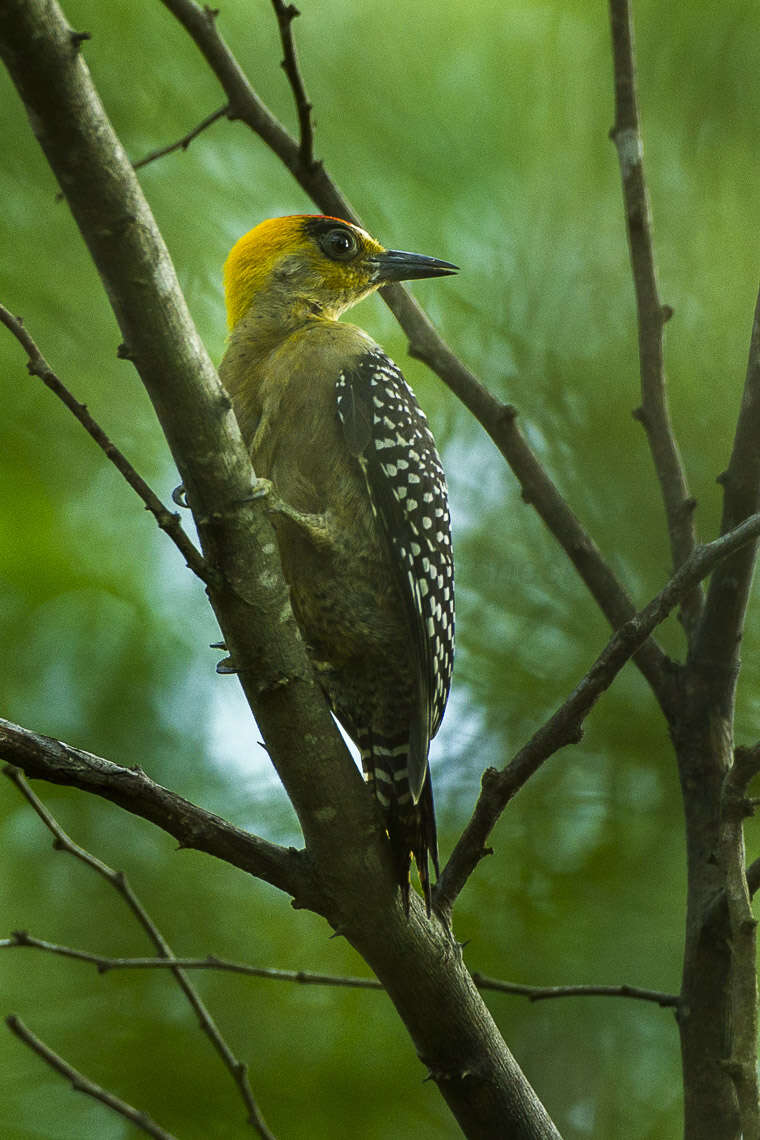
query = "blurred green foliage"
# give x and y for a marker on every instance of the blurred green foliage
(477, 133)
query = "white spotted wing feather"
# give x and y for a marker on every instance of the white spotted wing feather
(387, 430)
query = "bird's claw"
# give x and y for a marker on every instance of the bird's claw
(179, 496)
(226, 665)
(263, 488)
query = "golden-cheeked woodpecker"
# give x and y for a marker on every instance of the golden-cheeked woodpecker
(360, 505)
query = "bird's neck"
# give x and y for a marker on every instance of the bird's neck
(269, 322)
(273, 316)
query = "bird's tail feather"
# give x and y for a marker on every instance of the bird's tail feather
(410, 826)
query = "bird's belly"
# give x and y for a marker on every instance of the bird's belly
(346, 602)
(348, 609)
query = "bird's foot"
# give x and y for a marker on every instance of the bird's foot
(313, 525)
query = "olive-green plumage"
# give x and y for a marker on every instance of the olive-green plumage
(317, 402)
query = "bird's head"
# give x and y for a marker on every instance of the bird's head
(315, 264)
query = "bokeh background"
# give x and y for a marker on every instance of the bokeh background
(477, 133)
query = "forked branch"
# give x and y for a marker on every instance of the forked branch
(118, 880)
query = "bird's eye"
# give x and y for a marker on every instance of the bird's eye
(339, 244)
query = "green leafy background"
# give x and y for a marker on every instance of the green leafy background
(476, 133)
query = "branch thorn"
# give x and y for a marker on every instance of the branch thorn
(78, 38)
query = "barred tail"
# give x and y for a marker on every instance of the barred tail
(410, 826)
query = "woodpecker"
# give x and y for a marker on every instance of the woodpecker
(361, 515)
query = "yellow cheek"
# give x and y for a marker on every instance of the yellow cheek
(339, 277)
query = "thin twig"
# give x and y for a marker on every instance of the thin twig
(498, 419)
(167, 520)
(286, 14)
(565, 726)
(21, 939)
(544, 993)
(654, 412)
(118, 880)
(83, 1084)
(184, 142)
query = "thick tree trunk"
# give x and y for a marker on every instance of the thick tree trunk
(704, 746)
(718, 1019)
(455, 1037)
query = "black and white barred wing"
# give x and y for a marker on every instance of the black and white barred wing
(387, 430)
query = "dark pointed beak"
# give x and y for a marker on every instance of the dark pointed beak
(395, 265)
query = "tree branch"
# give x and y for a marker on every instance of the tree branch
(654, 412)
(743, 927)
(167, 520)
(717, 647)
(184, 142)
(43, 758)
(498, 419)
(565, 726)
(286, 14)
(545, 993)
(118, 880)
(21, 939)
(83, 1084)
